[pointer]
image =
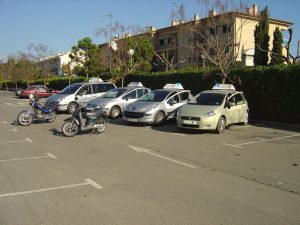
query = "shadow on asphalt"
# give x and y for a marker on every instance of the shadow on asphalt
(277, 126)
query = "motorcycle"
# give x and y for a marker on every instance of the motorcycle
(37, 111)
(85, 119)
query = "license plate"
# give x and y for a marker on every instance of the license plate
(192, 122)
(132, 120)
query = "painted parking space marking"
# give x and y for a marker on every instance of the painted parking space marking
(7, 103)
(147, 151)
(262, 141)
(16, 141)
(10, 130)
(88, 182)
(48, 155)
(5, 122)
(179, 134)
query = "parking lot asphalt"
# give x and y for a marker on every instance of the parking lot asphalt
(136, 174)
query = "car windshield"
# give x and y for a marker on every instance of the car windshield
(71, 89)
(114, 93)
(155, 96)
(208, 99)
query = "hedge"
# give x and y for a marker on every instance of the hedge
(272, 92)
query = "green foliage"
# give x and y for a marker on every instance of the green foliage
(272, 91)
(261, 39)
(89, 56)
(276, 54)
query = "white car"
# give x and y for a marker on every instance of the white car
(114, 101)
(79, 93)
(157, 106)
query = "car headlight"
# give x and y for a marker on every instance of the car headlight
(209, 114)
(150, 108)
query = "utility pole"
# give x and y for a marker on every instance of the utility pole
(110, 38)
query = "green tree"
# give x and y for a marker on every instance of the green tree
(276, 54)
(88, 57)
(261, 39)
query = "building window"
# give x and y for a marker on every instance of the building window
(161, 42)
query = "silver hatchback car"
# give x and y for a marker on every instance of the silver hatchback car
(114, 101)
(157, 106)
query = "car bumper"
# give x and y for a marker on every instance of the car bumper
(208, 123)
(148, 119)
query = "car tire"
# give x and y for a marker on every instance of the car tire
(159, 119)
(72, 107)
(115, 112)
(221, 125)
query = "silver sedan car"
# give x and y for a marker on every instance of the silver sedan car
(156, 106)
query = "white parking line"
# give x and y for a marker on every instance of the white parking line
(87, 182)
(179, 134)
(11, 130)
(16, 141)
(5, 122)
(48, 155)
(147, 151)
(7, 103)
(255, 142)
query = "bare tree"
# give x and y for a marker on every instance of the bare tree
(217, 37)
(289, 58)
(37, 53)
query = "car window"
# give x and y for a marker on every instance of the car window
(130, 95)
(115, 93)
(141, 92)
(174, 99)
(239, 99)
(184, 96)
(207, 99)
(108, 87)
(86, 90)
(71, 89)
(41, 89)
(155, 96)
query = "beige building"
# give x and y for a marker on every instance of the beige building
(233, 31)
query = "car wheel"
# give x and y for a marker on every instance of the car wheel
(115, 112)
(72, 107)
(159, 118)
(221, 125)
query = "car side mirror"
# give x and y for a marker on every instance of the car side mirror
(76, 98)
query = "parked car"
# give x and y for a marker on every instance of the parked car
(214, 109)
(79, 93)
(157, 106)
(114, 101)
(38, 90)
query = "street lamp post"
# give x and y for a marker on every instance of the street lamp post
(130, 52)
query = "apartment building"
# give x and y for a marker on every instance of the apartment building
(53, 64)
(179, 41)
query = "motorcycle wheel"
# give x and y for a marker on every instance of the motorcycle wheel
(70, 128)
(103, 124)
(51, 120)
(25, 118)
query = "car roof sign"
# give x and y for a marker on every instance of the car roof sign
(135, 84)
(223, 87)
(95, 80)
(173, 86)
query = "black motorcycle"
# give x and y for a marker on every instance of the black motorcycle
(37, 111)
(84, 119)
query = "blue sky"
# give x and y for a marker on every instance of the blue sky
(59, 24)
